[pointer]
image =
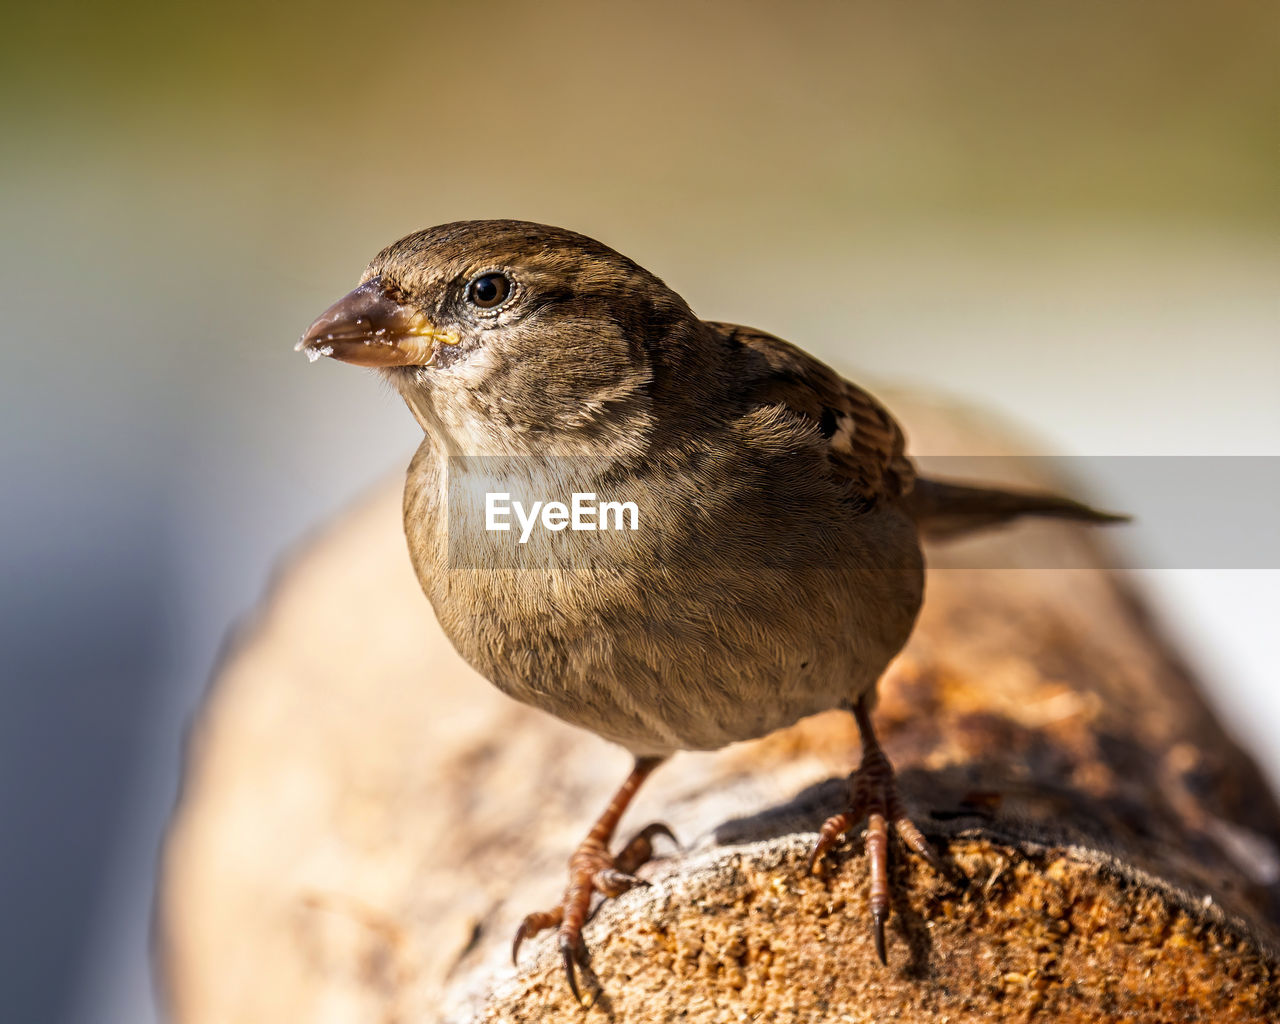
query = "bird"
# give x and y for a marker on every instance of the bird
(772, 568)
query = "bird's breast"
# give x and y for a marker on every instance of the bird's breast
(719, 616)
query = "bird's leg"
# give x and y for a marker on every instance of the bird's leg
(593, 869)
(873, 795)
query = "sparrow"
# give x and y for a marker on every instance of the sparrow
(775, 568)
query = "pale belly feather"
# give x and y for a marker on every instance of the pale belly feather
(700, 636)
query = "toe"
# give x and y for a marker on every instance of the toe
(878, 869)
(832, 829)
(639, 848)
(612, 882)
(533, 924)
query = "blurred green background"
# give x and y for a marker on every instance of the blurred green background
(1066, 213)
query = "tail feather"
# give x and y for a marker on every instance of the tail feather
(945, 509)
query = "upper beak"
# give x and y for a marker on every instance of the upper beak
(369, 328)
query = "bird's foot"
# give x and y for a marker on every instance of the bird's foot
(592, 869)
(873, 795)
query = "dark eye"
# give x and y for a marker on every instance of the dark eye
(489, 290)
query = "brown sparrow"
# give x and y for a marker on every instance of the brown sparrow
(772, 564)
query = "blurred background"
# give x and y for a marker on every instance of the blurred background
(1065, 214)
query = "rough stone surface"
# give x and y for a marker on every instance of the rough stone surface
(365, 821)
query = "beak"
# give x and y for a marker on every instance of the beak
(369, 328)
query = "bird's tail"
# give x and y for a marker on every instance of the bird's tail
(943, 509)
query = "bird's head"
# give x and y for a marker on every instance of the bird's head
(504, 336)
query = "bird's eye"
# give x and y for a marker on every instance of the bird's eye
(489, 290)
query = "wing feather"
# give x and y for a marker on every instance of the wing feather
(865, 445)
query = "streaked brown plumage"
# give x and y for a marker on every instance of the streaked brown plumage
(778, 569)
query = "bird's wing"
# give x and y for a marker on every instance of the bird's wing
(865, 445)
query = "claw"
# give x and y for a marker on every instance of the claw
(567, 953)
(878, 916)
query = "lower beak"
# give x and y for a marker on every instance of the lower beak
(369, 328)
